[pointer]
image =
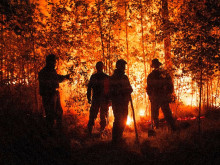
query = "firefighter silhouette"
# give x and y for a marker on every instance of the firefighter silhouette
(98, 85)
(160, 89)
(48, 84)
(120, 91)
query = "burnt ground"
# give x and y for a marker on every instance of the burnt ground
(25, 139)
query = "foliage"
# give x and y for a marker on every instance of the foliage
(196, 43)
(83, 32)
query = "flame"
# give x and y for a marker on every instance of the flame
(190, 118)
(129, 120)
(142, 113)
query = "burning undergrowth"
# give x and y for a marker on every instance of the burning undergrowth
(185, 146)
(77, 127)
(25, 139)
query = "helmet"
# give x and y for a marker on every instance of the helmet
(99, 65)
(156, 63)
(120, 63)
(51, 58)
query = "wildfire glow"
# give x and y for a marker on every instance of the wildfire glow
(142, 112)
(129, 120)
(186, 90)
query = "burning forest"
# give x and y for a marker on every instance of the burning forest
(74, 48)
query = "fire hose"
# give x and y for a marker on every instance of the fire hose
(135, 126)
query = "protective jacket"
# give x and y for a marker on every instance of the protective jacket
(49, 81)
(120, 87)
(159, 85)
(98, 84)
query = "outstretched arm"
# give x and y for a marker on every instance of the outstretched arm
(63, 77)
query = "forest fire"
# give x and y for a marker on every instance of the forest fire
(187, 98)
(169, 58)
(143, 112)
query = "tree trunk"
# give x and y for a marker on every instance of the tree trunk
(142, 38)
(101, 33)
(35, 74)
(167, 42)
(200, 101)
(109, 42)
(207, 95)
(192, 94)
(200, 95)
(2, 51)
(216, 93)
(211, 89)
(126, 25)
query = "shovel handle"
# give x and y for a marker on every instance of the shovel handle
(135, 126)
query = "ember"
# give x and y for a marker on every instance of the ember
(190, 118)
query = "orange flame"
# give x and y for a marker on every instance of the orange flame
(129, 120)
(142, 113)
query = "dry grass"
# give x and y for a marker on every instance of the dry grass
(25, 139)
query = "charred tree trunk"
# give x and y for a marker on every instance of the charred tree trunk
(207, 95)
(166, 31)
(109, 41)
(2, 51)
(216, 93)
(126, 25)
(142, 39)
(9, 63)
(101, 33)
(211, 89)
(35, 73)
(192, 94)
(200, 95)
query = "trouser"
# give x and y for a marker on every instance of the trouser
(98, 104)
(53, 109)
(164, 105)
(120, 111)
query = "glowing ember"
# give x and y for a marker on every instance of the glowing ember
(191, 118)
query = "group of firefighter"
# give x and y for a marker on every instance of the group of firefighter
(105, 90)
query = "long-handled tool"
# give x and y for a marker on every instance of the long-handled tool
(151, 131)
(135, 126)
